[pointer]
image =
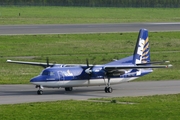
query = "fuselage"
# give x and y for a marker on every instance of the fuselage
(76, 76)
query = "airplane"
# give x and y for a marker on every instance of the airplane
(77, 75)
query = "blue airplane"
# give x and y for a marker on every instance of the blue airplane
(76, 75)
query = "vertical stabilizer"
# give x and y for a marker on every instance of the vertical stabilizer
(142, 51)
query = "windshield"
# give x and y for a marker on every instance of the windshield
(46, 72)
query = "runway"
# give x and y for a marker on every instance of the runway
(12, 94)
(85, 28)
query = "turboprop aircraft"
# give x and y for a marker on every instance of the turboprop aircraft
(115, 72)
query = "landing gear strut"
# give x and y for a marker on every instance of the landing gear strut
(40, 91)
(108, 89)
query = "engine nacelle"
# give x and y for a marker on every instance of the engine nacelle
(88, 71)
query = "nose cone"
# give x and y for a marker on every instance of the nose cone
(33, 80)
(36, 80)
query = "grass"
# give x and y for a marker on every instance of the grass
(75, 48)
(155, 107)
(75, 15)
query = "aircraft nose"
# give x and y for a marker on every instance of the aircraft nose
(35, 79)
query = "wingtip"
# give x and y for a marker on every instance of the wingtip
(8, 61)
(168, 66)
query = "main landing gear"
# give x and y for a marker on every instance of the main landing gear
(40, 91)
(68, 88)
(108, 89)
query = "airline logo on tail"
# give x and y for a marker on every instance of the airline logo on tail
(146, 55)
(142, 53)
(140, 50)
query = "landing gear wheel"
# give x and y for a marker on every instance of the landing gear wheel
(108, 90)
(68, 88)
(39, 92)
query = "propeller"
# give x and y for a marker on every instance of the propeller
(47, 61)
(87, 63)
(89, 69)
(48, 64)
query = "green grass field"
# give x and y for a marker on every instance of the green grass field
(75, 48)
(158, 107)
(71, 15)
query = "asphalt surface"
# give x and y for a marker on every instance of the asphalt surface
(12, 94)
(85, 28)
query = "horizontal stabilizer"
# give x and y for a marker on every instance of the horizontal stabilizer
(157, 62)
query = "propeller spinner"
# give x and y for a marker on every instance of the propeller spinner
(89, 69)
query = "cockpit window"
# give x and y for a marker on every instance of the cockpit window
(46, 72)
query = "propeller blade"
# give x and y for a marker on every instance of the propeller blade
(47, 61)
(89, 69)
(87, 63)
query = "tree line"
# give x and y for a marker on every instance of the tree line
(94, 3)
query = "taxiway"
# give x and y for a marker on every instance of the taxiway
(13, 94)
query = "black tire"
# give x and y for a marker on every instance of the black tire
(68, 88)
(39, 92)
(110, 90)
(106, 89)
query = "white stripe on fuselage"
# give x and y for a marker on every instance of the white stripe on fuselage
(78, 83)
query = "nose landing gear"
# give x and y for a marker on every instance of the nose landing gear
(40, 91)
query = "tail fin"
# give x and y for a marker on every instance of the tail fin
(142, 51)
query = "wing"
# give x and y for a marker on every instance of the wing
(44, 65)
